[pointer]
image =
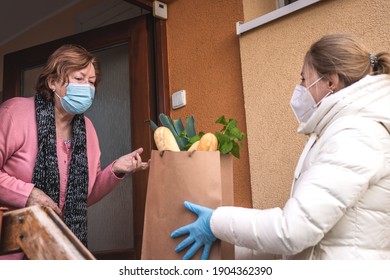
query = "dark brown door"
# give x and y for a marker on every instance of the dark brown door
(133, 41)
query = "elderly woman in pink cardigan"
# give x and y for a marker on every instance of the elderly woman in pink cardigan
(49, 151)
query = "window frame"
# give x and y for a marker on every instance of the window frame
(242, 27)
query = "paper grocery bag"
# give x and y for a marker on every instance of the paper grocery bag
(204, 178)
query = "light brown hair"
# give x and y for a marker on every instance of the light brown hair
(62, 62)
(346, 56)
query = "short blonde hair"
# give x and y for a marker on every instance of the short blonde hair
(62, 62)
(346, 56)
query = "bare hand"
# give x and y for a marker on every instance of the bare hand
(130, 163)
(38, 197)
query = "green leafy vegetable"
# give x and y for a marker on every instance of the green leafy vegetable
(230, 138)
(190, 126)
(152, 124)
(167, 122)
(191, 140)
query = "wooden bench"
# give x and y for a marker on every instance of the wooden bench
(40, 234)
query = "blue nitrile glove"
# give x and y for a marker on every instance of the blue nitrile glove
(199, 232)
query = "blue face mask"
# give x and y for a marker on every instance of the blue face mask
(78, 98)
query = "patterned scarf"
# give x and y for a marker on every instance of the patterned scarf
(46, 175)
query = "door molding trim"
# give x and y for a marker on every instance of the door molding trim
(161, 58)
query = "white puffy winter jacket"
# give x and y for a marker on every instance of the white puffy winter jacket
(340, 202)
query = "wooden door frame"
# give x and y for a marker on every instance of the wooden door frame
(161, 57)
(148, 88)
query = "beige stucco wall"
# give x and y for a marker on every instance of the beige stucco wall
(255, 8)
(271, 63)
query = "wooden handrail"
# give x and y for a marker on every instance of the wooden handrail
(41, 235)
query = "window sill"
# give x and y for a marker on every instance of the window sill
(278, 13)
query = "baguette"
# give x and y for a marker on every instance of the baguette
(208, 142)
(164, 139)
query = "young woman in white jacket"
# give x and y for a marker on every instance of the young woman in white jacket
(340, 199)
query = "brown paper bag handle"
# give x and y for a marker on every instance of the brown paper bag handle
(189, 153)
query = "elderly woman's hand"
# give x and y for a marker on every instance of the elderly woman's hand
(38, 197)
(130, 163)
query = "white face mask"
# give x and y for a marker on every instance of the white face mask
(302, 102)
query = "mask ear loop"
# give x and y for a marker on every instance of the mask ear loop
(312, 84)
(325, 96)
(54, 91)
(316, 81)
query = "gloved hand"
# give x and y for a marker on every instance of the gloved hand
(199, 232)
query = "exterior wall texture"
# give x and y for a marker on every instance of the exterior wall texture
(272, 57)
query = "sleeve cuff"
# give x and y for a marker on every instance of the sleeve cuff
(120, 176)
